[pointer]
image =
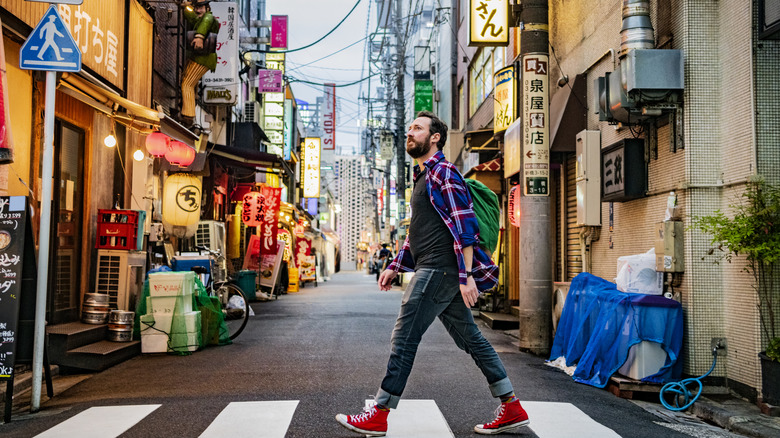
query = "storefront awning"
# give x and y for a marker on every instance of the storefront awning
(131, 114)
(489, 173)
(248, 157)
(568, 115)
(481, 140)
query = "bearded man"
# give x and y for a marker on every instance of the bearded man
(449, 271)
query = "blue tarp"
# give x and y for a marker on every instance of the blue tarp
(599, 324)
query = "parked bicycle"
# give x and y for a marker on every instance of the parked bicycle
(235, 306)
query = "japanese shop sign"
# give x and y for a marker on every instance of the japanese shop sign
(269, 81)
(273, 122)
(302, 249)
(386, 145)
(489, 22)
(311, 167)
(274, 61)
(423, 95)
(504, 99)
(278, 31)
(285, 237)
(13, 213)
(288, 129)
(329, 118)
(536, 150)
(221, 85)
(270, 226)
(97, 27)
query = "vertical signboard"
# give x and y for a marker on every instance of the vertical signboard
(329, 118)
(488, 22)
(423, 95)
(270, 225)
(386, 145)
(278, 31)
(288, 128)
(504, 99)
(221, 85)
(273, 121)
(13, 210)
(536, 150)
(311, 167)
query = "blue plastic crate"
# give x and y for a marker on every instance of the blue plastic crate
(185, 263)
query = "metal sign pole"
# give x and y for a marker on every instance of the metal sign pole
(43, 239)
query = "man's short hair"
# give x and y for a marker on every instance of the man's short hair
(437, 127)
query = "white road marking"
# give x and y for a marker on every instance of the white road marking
(100, 422)
(563, 420)
(258, 419)
(417, 419)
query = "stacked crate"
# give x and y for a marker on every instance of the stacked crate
(170, 323)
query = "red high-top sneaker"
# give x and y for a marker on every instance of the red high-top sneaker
(508, 416)
(372, 422)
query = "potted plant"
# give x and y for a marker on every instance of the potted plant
(754, 232)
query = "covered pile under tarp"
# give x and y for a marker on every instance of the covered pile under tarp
(209, 329)
(599, 324)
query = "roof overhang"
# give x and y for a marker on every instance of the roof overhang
(482, 140)
(568, 115)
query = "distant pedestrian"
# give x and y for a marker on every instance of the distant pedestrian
(442, 249)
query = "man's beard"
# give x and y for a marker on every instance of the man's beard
(417, 149)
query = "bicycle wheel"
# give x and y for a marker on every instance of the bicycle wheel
(236, 309)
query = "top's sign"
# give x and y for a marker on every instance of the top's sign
(489, 22)
(66, 2)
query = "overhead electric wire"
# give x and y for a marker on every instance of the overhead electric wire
(329, 55)
(323, 37)
(293, 80)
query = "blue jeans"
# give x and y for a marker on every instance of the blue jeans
(432, 293)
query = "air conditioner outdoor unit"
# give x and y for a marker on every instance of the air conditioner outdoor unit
(252, 112)
(560, 291)
(120, 274)
(211, 234)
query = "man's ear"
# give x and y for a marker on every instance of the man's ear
(435, 138)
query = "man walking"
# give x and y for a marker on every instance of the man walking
(442, 250)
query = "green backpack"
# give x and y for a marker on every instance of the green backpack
(488, 213)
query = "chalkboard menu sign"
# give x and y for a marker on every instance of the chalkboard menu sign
(13, 219)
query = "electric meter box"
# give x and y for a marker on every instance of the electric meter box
(669, 247)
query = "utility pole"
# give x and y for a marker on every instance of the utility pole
(535, 273)
(400, 113)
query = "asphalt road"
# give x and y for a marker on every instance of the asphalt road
(326, 347)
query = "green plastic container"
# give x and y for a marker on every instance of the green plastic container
(246, 281)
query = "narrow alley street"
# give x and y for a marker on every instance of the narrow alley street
(313, 354)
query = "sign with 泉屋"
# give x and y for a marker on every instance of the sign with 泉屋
(536, 144)
(13, 216)
(488, 22)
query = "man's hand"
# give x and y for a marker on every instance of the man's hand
(385, 278)
(469, 292)
(197, 43)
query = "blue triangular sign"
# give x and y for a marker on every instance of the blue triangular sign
(50, 46)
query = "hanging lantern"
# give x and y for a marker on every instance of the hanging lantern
(252, 213)
(514, 205)
(188, 156)
(177, 152)
(157, 144)
(181, 200)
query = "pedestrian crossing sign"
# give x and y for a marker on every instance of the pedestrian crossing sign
(50, 46)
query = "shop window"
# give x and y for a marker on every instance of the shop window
(481, 76)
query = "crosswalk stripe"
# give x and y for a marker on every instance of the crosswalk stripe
(417, 419)
(259, 419)
(100, 422)
(564, 420)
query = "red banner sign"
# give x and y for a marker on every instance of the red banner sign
(270, 226)
(302, 250)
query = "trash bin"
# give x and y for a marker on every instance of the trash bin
(246, 281)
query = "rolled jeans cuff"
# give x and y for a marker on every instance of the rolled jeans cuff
(388, 400)
(502, 387)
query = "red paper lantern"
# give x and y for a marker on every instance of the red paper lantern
(189, 156)
(253, 210)
(157, 144)
(177, 152)
(514, 205)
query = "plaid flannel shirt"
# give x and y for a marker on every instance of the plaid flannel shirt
(451, 199)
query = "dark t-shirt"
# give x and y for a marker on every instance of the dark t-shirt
(430, 241)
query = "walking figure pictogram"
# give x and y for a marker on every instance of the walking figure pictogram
(48, 31)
